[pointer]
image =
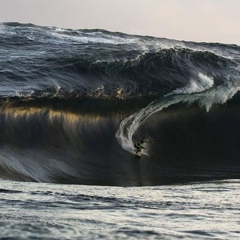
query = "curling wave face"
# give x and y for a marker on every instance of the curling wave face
(74, 101)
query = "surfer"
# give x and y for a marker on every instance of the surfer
(139, 145)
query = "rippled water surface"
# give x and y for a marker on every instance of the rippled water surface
(53, 211)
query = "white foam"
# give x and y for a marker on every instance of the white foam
(200, 84)
(199, 91)
(97, 37)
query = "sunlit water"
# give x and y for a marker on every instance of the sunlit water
(53, 211)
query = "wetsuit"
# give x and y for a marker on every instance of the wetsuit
(139, 146)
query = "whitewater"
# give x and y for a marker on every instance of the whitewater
(72, 105)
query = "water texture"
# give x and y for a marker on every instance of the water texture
(55, 211)
(73, 102)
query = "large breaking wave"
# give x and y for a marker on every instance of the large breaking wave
(73, 102)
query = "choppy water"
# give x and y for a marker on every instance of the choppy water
(53, 211)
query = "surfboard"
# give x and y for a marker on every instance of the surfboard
(138, 155)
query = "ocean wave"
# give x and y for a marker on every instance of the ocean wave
(76, 143)
(145, 66)
(73, 102)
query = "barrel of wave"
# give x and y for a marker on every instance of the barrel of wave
(199, 90)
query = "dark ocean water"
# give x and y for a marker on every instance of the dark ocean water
(72, 104)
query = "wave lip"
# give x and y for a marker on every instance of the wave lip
(48, 61)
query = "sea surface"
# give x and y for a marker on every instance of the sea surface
(72, 105)
(207, 210)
